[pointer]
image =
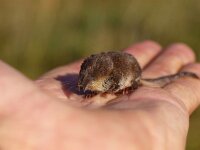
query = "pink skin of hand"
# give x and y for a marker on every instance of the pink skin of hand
(43, 115)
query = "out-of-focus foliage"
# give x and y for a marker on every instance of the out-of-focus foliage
(36, 36)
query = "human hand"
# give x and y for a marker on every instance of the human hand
(43, 114)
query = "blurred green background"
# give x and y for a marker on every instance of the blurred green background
(36, 35)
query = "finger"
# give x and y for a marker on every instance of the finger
(187, 89)
(170, 61)
(144, 52)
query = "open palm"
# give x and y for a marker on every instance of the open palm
(50, 113)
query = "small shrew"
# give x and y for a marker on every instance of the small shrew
(118, 73)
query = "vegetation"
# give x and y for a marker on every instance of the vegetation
(36, 36)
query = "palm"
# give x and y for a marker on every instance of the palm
(159, 115)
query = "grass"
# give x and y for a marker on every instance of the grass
(36, 36)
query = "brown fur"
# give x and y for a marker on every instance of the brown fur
(118, 72)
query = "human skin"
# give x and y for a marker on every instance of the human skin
(41, 115)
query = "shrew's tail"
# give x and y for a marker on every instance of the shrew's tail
(163, 81)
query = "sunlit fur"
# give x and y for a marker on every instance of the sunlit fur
(97, 85)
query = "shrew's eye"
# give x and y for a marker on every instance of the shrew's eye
(106, 81)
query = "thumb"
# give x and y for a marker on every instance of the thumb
(14, 88)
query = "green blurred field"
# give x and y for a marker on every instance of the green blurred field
(36, 36)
